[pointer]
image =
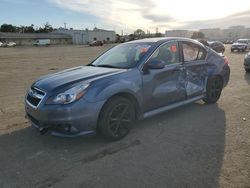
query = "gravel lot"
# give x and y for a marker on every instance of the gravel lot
(196, 145)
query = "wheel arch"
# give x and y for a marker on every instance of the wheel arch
(128, 96)
(218, 76)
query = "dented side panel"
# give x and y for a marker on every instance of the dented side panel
(196, 77)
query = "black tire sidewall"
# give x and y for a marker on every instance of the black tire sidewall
(103, 124)
(209, 99)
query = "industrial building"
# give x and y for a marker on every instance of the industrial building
(230, 34)
(30, 38)
(86, 36)
(178, 33)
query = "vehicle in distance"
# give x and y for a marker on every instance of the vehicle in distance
(7, 44)
(96, 43)
(42, 42)
(11, 44)
(241, 45)
(217, 46)
(247, 62)
(131, 81)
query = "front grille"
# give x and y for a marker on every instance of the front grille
(35, 96)
(32, 100)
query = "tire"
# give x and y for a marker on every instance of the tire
(116, 118)
(214, 88)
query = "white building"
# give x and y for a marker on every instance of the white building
(232, 33)
(236, 32)
(178, 33)
(87, 36)
(212, 33)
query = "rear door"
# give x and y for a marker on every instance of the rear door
(162, 87)
(194, 58)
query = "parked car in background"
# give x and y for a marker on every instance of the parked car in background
(96, 43)
(42, 42)
(247, 62)
(3, 44)
(131, 81)
(217, 46)
(241, 45)
(11, 44)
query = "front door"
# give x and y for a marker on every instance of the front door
(164, 86)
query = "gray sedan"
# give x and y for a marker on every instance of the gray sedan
(131, 81)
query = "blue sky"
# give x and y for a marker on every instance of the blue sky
(38, 12)
(127, 15)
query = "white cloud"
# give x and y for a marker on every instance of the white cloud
(149, 14)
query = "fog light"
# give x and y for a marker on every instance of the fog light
(70, 129)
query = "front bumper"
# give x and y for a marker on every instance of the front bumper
(71, 120)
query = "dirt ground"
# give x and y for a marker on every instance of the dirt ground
(196, 145)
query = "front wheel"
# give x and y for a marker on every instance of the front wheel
(214, 88)
(116, 118)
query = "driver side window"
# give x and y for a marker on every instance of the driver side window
(168, 53)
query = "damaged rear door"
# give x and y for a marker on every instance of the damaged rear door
(194, 58)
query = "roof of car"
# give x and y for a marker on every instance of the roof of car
(161, 40)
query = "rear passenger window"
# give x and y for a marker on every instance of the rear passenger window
(193, 52)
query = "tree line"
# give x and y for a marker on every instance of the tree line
(46, 28)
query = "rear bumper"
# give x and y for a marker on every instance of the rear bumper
(79, 118)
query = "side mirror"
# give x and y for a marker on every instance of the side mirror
(156, 64)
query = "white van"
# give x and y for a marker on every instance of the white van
(42, 42)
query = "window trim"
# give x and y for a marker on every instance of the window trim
(197, 60)
(147, 60)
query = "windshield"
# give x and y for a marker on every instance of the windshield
(242, 41)
(122, 56)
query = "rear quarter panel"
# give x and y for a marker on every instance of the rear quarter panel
(216, 66)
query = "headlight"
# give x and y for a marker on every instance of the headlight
(69, 96)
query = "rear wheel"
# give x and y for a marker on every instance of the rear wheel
(116, 118)
(214, 88)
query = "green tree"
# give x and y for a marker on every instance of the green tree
(198, 35)
(47, 28)
(139, 33)
(8, 28)
(29, 29)
(158, 35)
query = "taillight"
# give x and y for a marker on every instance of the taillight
(226, 61)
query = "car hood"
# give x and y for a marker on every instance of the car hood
(68, 77)
(239, 44)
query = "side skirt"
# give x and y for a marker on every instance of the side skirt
(172, 106)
